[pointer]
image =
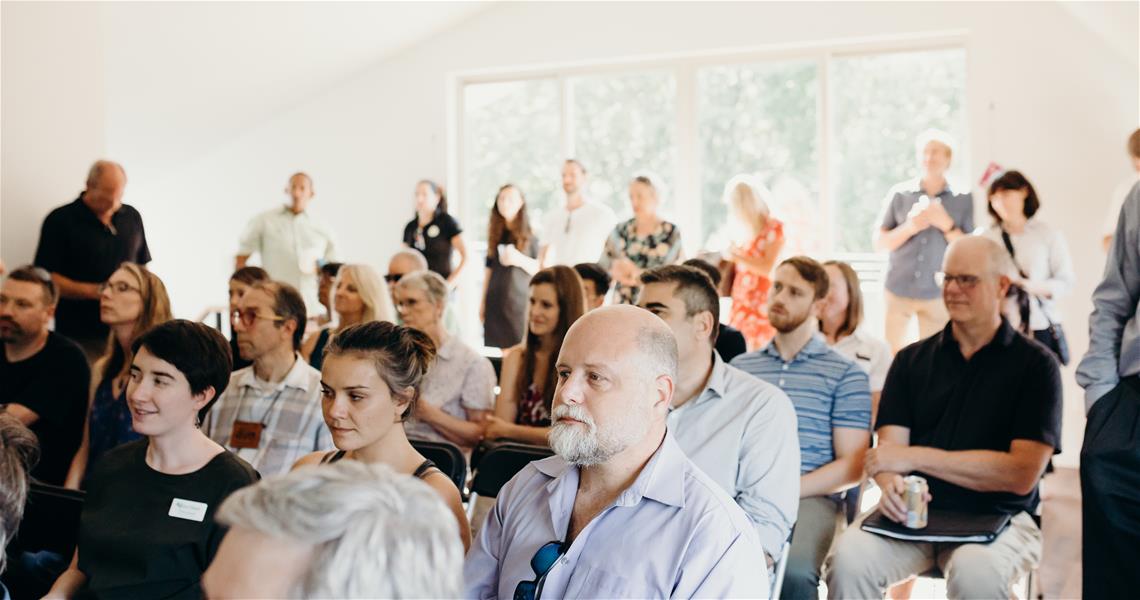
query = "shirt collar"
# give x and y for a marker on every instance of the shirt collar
(718, 380)
(916, 186)
(1004, 336)
(447, 350)
(295, 378)
(815, 346)
(660, 480)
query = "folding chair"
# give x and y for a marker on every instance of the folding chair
(498, 464)
(448, 457)
(777, 583)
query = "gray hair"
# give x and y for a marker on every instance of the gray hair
(374, 533)
(96, 171)
(429, 282)
(414, 256)
(998, 257)
(19, 452)
(658, 349)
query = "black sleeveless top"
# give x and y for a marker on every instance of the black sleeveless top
(422, 471)
(317, 358)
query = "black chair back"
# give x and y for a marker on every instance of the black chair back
(51, 520)
(501, 462)
(448, 457)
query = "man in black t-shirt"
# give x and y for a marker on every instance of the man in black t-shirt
(45, 376)
(976, 410)
(82, 243)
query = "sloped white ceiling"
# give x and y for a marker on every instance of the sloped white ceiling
(183, 76)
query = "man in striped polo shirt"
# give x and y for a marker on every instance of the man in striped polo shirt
(832, 398)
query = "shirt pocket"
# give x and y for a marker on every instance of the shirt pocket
(596, 582)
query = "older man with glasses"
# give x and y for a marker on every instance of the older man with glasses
(976, 410)
(620, 512)
(270, 413)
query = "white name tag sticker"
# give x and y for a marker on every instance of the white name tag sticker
(188, 509)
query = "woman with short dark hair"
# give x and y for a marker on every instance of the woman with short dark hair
(147, 529)
(370, 384)
(1040, 254)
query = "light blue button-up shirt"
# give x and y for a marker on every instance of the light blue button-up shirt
(910, 273)
(673, 533)
(1114, 333)
(741, 432)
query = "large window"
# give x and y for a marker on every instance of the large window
(828, 131)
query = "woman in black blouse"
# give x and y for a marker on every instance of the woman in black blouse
(434, 232)
(147, 528)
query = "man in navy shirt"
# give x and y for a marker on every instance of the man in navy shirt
(82, 243)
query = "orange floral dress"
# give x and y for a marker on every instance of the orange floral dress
(750, 290)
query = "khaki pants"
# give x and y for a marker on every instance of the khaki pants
(864, 564)
(931, 315)
(819, 520)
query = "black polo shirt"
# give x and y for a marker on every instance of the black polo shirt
(1010, 389)
(77, 245)
(434, 241)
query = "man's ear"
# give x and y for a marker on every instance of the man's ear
(1004, 283)
(663, 385)
(705, 324)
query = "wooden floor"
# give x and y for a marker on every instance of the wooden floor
(1060, 572)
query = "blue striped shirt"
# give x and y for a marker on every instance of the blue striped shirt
(827, 390)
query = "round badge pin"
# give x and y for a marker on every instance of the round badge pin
(433, 231)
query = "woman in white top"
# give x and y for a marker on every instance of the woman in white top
(1040, 251)
(840, 321)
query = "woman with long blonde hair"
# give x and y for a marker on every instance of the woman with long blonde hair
(747, 201)
(131, 301)
(359, 296)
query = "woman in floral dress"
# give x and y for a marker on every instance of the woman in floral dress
(754, 260)
(641, 243)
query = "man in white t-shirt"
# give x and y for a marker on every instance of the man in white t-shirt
(1120, 192)
(575, 232)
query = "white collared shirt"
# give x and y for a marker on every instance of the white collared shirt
(741, 432)
(290, 246)
(576, 236)
(673, 533)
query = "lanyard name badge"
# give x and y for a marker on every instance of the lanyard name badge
(247, 434)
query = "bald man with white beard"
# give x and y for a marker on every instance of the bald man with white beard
(619, 511)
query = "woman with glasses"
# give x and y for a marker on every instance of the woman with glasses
(522, 411)
(147, 529)
(512, 258)
(370, 384)
(240, 282)
(753, 261)
(643, 242)
(434, 232)
(131, 301)
(360, 296)
(1040, 255)
(458, 390)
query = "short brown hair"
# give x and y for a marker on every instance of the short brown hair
(812, 272)
(39, 276)
(694, 288)
(287, 304)
(400, 354)
(1134, 144)
(853, 316)
(250, 275)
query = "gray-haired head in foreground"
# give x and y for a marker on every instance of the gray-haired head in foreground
(19, 452)
(375, 533)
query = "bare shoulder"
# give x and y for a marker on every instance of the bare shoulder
(312, 458)
(443, 486)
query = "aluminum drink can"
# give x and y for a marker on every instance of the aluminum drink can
(915, 497)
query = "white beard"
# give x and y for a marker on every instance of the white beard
(594, 445)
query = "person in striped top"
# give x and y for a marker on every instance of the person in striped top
(832, 398)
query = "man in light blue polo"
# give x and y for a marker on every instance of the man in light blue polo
(620, 512)
(920, 218)
(832, 398)
(739, 430)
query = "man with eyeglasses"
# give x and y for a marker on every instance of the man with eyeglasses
(82, 243)
(575, 232)
(44, 376)
(270, 413)
(620, 512)
(976, 410)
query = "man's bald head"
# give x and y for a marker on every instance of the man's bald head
(633, 329)
(405, 261)
(988, 255)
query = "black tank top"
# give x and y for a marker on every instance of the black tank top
(421, 471)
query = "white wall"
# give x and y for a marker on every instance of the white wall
(1045, 95)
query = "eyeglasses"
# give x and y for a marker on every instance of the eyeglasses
(248, 316)
(542, 561)
(408, 304)
(118, 287)
(390, 278)
(965, 282)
